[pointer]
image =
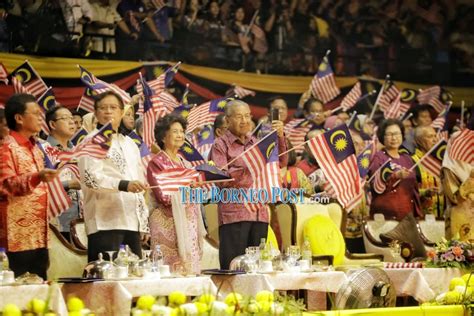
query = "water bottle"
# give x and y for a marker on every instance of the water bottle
(157, 257)
(122, 262)
(306, 253)
(4, 266)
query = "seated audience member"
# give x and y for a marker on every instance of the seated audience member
(3, 126)
(429, 185)
(23, 189)
(77, 119)
(422, 115)
(399, 195)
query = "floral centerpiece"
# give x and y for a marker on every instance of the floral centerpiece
(176, 304)
(451, 253)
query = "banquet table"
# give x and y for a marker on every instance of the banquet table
(424, 284)
(115, 297)
(318, 284)
(20, 295)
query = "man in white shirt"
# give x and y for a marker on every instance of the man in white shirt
(115, 212)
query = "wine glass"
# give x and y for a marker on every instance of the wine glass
(395, 249)
(111, 271)
(293, 253)
(252, 259)
(111, 255)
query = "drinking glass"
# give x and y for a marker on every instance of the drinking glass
(293, 253)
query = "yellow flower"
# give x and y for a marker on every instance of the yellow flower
(176, 298)
(75, 304)
(264, 296)
(233, 298)
(145, 302)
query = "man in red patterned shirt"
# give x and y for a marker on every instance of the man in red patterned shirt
(23, 191)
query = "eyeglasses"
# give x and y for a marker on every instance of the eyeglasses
(70, 118)
(388, 135)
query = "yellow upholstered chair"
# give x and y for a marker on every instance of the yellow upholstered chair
(284, 214)
(65, 260)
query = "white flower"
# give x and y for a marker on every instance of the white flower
(277, 309)
(218, 309)
(160, 310)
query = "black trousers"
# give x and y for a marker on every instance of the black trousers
(108, 240)
(235, 237)
(32, 261)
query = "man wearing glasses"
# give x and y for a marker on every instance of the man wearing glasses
(23, 190)
(62, 127)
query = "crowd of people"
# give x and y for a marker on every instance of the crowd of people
(122, 201)
(276, 36)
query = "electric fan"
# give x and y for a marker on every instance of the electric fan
(366, 288)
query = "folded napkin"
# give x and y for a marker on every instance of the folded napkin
(402, 265)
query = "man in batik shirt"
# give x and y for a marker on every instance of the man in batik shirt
(23, 190)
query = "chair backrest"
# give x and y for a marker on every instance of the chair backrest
(212, 220)
(78, 233)
(64, 259)
(210, 254)
(285, 217)
(380, 225)
(432, 229)
(303, 212)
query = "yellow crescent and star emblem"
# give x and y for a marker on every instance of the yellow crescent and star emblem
(323, 66)
(205, 134)
(364, 162)
(185, 113)
(341, 142)
(80, 139)
(407, 95)
(187, 149)
(446, 96)
(48, 102)
(137, 141)
(440, 152)
(357, 124)
(85, 76)
(270, 150)
(19, 76)
(386, 173)
(221, 104)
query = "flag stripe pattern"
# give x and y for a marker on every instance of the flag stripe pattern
(171, 180)
(462, 147)
(335, 153)
(262, 162)
(205, 114)
(323, 86)
(352, 97)
(431, 96)
(99, 86)
(3, 74)
(389, 94)
(296, 131)
(432, 163)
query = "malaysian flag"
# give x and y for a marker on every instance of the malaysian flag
(432, 162)
(191, 154)
(263, 164)
(334, 151)
(145, 153)
(210, 173)
(87, 100)
(296, 131)
(352, 97)
(58, 199)
(434, 96)
(149, 114)
(80, 135)
(205, 139)
(241, 93)
(159, 84)
(383, 174)
(363, 161)
(26, 80)
(96, 146)
(356, 125)
(323, 86)
(46, 102)
(164, 103)
(205, 113)
(184, 97)
(389, 93)
(182, 110)
(170, 180)
(461, 147)
(440, 123)
(99, 86)
(400, 105)
(3, 74)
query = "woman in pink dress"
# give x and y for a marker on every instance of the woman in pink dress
(169, 135)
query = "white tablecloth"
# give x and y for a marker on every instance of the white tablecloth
(251, 284)
(423, 284)
(20, 295)
(115, 297)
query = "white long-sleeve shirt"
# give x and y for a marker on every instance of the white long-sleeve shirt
(105, 207)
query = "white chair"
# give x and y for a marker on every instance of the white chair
(212, 220)
(371, 235)
(210, 254)
(434, 230)
(64, 259)
(78, 233)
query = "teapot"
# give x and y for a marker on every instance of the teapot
(98, 269)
